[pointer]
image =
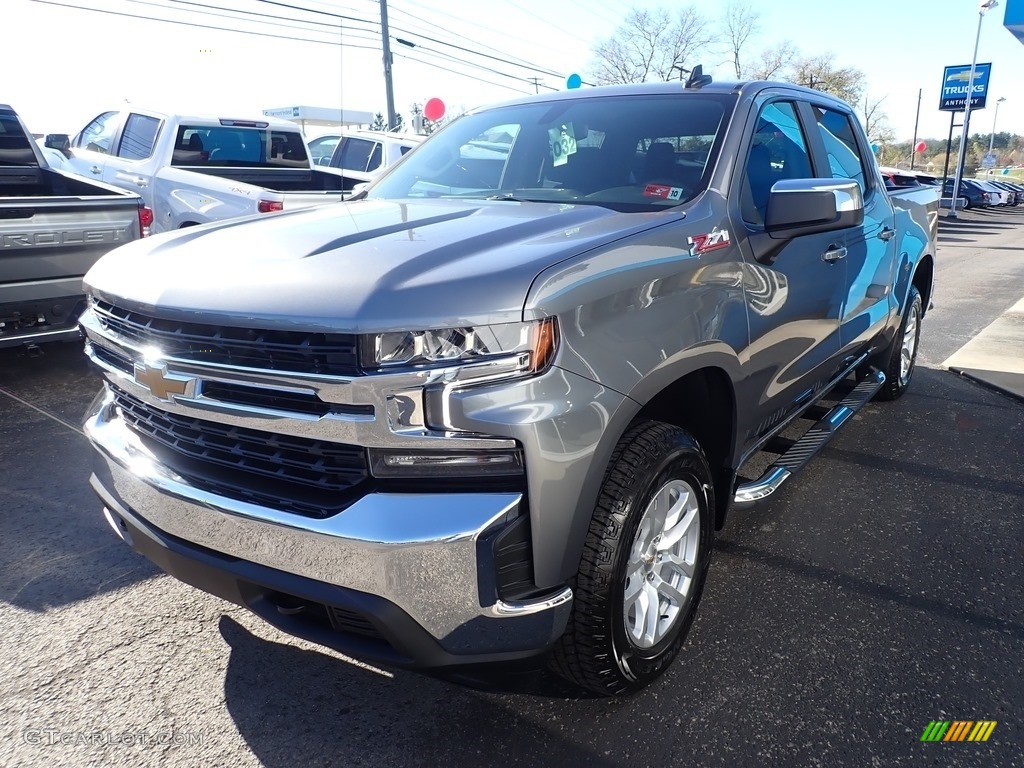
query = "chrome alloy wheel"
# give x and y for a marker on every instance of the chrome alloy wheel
(909, 349)
(662, 564)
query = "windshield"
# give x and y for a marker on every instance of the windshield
(629, 153)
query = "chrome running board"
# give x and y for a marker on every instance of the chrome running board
(803, 450)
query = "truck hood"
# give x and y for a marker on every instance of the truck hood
(360, 267)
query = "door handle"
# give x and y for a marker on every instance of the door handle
(141, 182)
(887, 234)
(95, 169)
(834, 253)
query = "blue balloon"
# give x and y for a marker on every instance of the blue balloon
(573, 81)
(874, 149)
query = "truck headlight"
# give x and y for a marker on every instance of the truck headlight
(506, 348)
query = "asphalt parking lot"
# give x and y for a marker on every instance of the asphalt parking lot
(881, 590)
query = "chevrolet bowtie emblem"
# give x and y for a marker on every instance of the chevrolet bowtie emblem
(155, 378)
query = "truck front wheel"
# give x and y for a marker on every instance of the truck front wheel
(644, 562)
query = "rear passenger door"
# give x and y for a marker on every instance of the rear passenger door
(128, 167)
(794, 289)
(870, 249)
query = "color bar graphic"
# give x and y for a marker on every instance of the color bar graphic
(958, 730)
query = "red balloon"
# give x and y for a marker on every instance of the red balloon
(920, 146)
(433, 109)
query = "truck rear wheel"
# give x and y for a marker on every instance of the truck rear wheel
(901, 357)
(644, 563)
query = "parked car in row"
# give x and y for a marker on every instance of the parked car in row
(975, 195)
(193, 169)
(1015, 191)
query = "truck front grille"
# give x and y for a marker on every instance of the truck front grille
(295, 351)
(315, 478)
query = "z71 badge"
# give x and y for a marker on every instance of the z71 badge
(712, 241)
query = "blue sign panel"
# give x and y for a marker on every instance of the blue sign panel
(954, 87)
(1014, 18)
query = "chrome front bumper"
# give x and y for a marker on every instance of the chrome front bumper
(418, 551)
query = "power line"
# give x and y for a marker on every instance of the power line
(257, 13)
(333, 27)
(206, 6)
(562, 30)
(195, 25)
(449, 57)
(417, 20)
(475, 78)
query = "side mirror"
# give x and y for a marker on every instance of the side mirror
(59, 141)
(808, 206)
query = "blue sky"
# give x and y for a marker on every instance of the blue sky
(72, 64)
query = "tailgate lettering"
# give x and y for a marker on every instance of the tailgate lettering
(74, 237)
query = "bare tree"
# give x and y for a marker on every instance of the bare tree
(822, 73)
(651, 46)
(740, 23)
(773, 62)
(876, 122)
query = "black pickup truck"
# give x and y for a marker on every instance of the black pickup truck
(53, 228)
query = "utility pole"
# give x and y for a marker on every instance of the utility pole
(388, 87)
(536, 83)
(913, 147)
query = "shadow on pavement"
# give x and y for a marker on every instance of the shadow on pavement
(350, 716)
(55, 546)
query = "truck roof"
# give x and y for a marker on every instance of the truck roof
(186, 117)
(747, 87)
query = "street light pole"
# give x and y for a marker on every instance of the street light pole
(985, 5)
(992, 138)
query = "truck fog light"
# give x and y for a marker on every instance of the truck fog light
(393, 463)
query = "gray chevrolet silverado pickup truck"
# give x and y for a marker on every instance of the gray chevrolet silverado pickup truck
(493, 410)
(53, 227)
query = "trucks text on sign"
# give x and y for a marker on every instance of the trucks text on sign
(955, 81)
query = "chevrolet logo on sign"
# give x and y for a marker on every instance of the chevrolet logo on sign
(154, 377)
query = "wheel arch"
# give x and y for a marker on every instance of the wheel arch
(924, 280)
(703, 402)
(709, 412)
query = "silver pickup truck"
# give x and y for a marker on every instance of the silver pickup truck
(53, 227)
(194, 169)
(493, 411)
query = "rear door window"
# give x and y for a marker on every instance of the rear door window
(844, 157)
(139, 137)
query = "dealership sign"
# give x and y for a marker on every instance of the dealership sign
(956, 80)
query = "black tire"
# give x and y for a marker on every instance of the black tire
(596, 652)
(896, 382)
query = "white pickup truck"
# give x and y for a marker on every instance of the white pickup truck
(193, 170)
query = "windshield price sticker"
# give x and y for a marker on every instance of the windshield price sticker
(563, 143)
(664, 192)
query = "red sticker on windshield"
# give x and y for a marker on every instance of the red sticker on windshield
(663, 192)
